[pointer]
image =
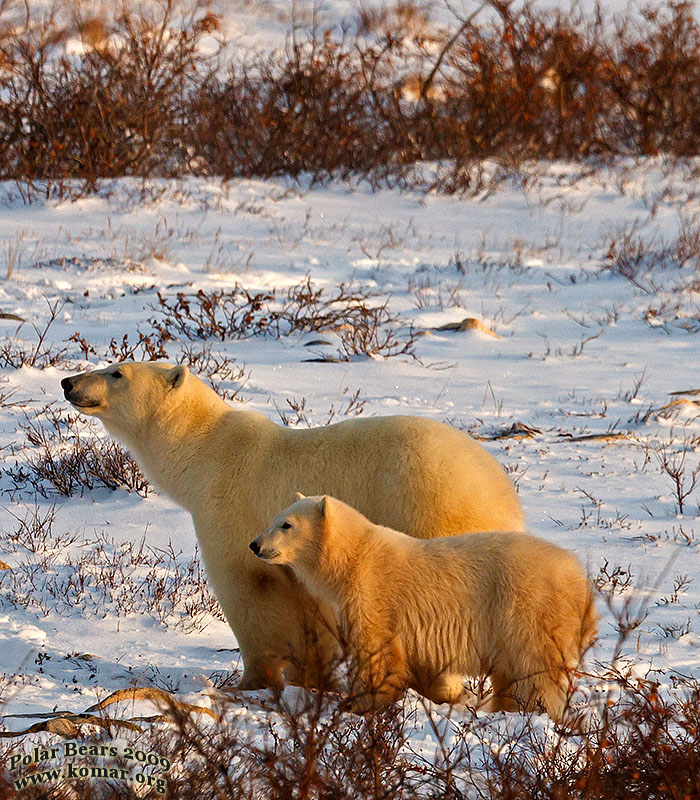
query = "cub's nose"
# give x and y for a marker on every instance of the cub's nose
(67, 384)
(255, 547)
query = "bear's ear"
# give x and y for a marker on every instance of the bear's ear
(299, 496)
(175, 377)
(323, 507)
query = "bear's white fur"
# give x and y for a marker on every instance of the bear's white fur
(234, 469)
(424, 613)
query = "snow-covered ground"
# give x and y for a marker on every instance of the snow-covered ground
(254, 26)
(587, 359)
(265, 24)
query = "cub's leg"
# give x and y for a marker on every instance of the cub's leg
(379, 674)
(504, 697)
(550, 693)
(539, 692)
(448, 687)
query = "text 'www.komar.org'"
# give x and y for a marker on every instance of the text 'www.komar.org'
(137, 766)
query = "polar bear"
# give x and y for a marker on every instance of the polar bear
(233, 469)
(424, 613)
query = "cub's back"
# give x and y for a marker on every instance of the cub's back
(504, 558)
(506, 570)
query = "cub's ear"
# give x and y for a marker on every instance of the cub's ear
(299, 496)
(323, 507)
(176, 376)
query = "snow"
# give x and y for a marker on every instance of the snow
(254, 25)
(573, 340)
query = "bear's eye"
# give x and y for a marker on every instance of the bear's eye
(286, 525)
(117, 374)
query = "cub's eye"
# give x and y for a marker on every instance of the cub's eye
(286, 525)
(117, 374)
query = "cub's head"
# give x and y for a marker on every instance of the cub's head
(295, 537)
(125, 396)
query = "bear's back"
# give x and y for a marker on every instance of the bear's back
(447, 482)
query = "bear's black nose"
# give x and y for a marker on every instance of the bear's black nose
(66, 385)
(255, 547)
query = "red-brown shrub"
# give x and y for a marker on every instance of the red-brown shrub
(506, 86)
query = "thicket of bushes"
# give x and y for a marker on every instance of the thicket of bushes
(144, 99)
(308, 747)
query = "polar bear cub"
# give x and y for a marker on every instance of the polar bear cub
(423, 613)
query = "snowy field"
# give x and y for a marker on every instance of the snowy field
(254, 26)
(265, 24)
(581, 381)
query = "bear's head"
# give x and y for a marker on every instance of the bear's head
(127, 396)
(296, 535)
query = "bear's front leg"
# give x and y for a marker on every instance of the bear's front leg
(283, 635)
(267, 674)
(275, 654)
(264, 609)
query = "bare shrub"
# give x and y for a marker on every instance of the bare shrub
(508, 86)
(643, 743)
(115, 110)
(374, 333)
(16, 353)
(345, 405)
(363, 329)
(645, 262)
(218, 368)
(630, 256)
(63, 462)
(609, 581)
(403, 18)
(13, 251)
(651, 75)
(34, 531)
(220, 314)
(683, 477)
(267, 116)
(687, 246)
(94, 576)
(144, 349)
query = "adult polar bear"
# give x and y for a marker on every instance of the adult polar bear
(234, 469)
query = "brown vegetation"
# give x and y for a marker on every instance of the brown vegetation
(364, 328)
(65, 463)
(147, 101)
(76, 575)
(641, 744)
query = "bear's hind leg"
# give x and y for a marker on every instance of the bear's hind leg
(267, 674)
